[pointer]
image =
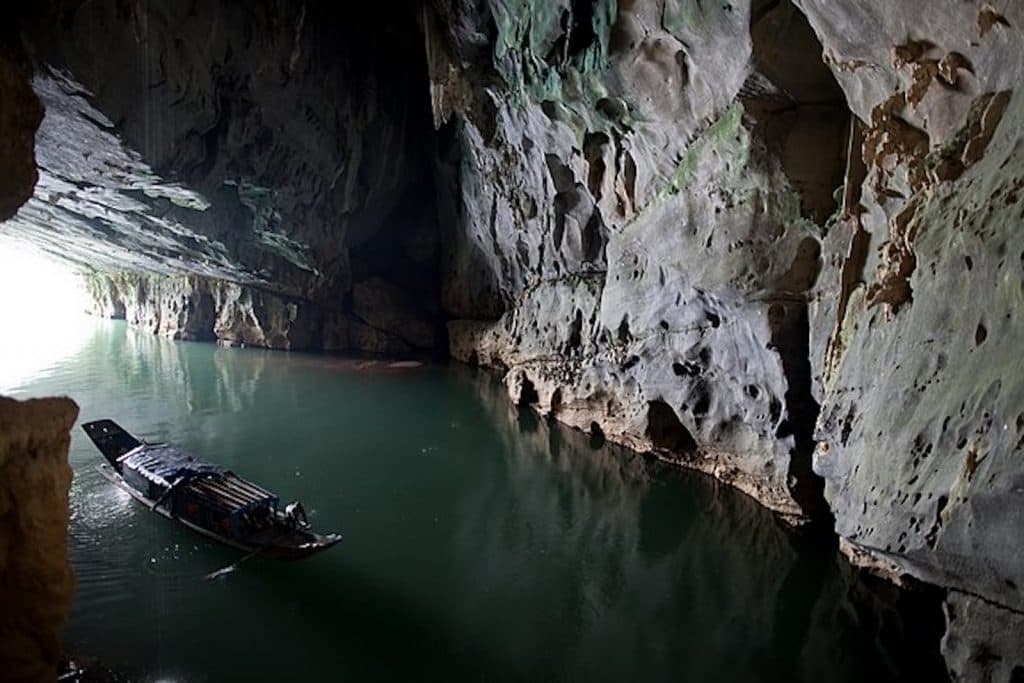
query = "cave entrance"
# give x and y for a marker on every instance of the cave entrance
(42, 306)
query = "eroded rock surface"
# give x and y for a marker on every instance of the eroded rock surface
(671, 227)
(917, 329)
(36, 582)
(642, 190)
(770, 240)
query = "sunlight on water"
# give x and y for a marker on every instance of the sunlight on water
(42, 309)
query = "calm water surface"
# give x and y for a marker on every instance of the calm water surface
(480, 542)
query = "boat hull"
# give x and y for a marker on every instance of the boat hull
(273, 550)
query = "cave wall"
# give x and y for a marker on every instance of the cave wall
(641, 195)
(36, 582)
(272, 148)
(917, 351)
(770, 241)
(20, 115)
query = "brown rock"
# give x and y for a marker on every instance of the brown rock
(36, 582)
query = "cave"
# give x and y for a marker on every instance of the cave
(252, 247)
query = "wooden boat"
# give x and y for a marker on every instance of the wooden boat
(206, 498)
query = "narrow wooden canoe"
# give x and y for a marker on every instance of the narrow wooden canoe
(204, 497)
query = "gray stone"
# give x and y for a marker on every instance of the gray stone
(982, 641)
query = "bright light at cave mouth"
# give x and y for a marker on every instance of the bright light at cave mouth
(42, 313)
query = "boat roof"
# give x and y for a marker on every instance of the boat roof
(168, 465)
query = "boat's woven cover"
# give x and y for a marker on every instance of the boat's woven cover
(166, 464)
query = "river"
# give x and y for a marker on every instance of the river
(480, 541)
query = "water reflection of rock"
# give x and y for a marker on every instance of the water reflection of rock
(694, 566)
(179, 378)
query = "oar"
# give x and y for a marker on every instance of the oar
(233, 566)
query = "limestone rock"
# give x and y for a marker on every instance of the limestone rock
(20, 114)
(263, 155)
(36, 582)
(382, 305)
(638, 215)
(982, 641)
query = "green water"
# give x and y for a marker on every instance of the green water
(480, 543)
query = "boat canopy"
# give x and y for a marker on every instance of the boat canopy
(167, 465)
(213, 486)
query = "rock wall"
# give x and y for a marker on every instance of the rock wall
(36, 582)
(641, 193)
(384, 318)
(917, 326)
(272, 146)
(20, 114)
(772, 241)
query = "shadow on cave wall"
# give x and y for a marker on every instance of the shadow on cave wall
(804, 122)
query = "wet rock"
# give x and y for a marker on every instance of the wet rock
(915, 324)
(638, 216)
(36, 582)
(20, 114)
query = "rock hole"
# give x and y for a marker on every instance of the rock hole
(528, 394)
(980, 335)
(575, 340)
(556, 400)
(624, 335)
(593, 239)
(666, 431)
(597, 438)
(593, 151)
(582, 35)
(703, 404)
(686, 369)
